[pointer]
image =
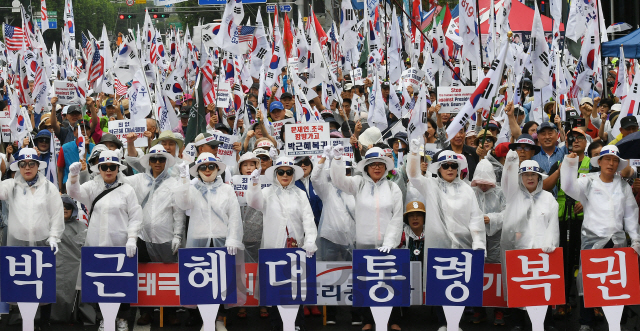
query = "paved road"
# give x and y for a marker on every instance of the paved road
(415, 318)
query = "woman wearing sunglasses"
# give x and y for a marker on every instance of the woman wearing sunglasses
(30, 196)
(115, 217)
(455, 219)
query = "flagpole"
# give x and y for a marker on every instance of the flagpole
(480, 32)
(386, 50)
(429, 41)
(486, 126)
(602, 62)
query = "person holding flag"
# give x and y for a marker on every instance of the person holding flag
(73, 151)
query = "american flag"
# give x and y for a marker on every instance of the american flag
(245, 33)
(13, 37)
(86, 46)
(120, 88)
(207, 84)
(96, 66)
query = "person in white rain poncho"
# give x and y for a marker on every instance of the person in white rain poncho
(215, 213)
(162, 222)
(492, 203)
(287, 215)
(454, 219)
(532, 217)
(378, 200)
(610, 209)
(36, 214)
(115, 214)
(336, 230)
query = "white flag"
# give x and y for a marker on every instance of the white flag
(621, 89)
(395, 50)
(377, 116)
(261, 48)
(139, 100)
(348, 21)
(469, 30)
(44, 16)
(581, 14)
(539, 53)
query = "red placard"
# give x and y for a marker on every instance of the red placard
(158, 285)
(251, 281)
(535, 278)
(610, 277)
(492, 292)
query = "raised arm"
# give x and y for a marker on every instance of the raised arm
(510, 178)
(339, 177)
(569, 181)
(413, 168)
(82, 193)
(255, 199)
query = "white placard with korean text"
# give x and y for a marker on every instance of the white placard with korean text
(306, 139)
(123, 127)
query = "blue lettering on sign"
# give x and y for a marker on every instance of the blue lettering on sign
(207, 276)
(455, 277)
(28, 274)
(108, 275)
(381, 279)
(287, 277)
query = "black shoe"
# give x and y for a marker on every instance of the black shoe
(356, 319)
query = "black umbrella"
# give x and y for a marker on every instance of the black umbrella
(629, 146)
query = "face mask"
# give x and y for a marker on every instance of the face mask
(210, 178)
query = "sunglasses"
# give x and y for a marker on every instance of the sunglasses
(27, 164)
(446, 166)
(305, 163)
(210, 166)
(264, 158)
(68, 207)
(281, 172)
(160, 159)
(109, 167)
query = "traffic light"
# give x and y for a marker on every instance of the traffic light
(155, 16)
(163, 15)
(153, 10)
(127, 16)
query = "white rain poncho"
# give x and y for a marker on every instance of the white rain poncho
(608, 214)
(491, 203)
(162, 219)
(214, 213)
(35, 213)
(115, 218)
(378, 207)
(453, 217)
(337, 222)
(532, 218)
(284, 208)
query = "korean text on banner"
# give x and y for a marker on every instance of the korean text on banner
(610, 277)
(66, 92)
(277, 126)
(451, 99)
(5, 124)
(121, 128)
(306, 139)
(207, 276)
(454, 277)
(158, 285)
(225, 150)
(108, 275)
(534, 278)
(28, 274)
(348, 149)
(492, 292)
(413, 77)
(287, 277)
(381, 279)
(240, 186)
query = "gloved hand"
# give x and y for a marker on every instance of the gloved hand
(273, 153)
(385, 249)
(414, 148)
(636, 246)
(512, 156)
(184, 171)
(551, 249)
(175, 244)
(478, 245)
(232, 250)
(327, 153)
(310, 254)
(53, 243)
(338, 151)
(74, 169)
(255, 176)
(131, 247)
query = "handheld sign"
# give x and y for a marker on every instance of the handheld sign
(207, 276)
(66, 92)
(121, 128)
(306, 139)
(451, 98)
(492, 293)
(534, 278)
(610, 277)
(109, 275)
(381, 279)
(454, 277)
(287, 277)
(241, 186)
(28, 274)
(158, 285)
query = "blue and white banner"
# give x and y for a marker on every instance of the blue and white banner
(207, 276)
(27, 274)
(381, 279)
(287, 277)
(455, 277)
(108, 275)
